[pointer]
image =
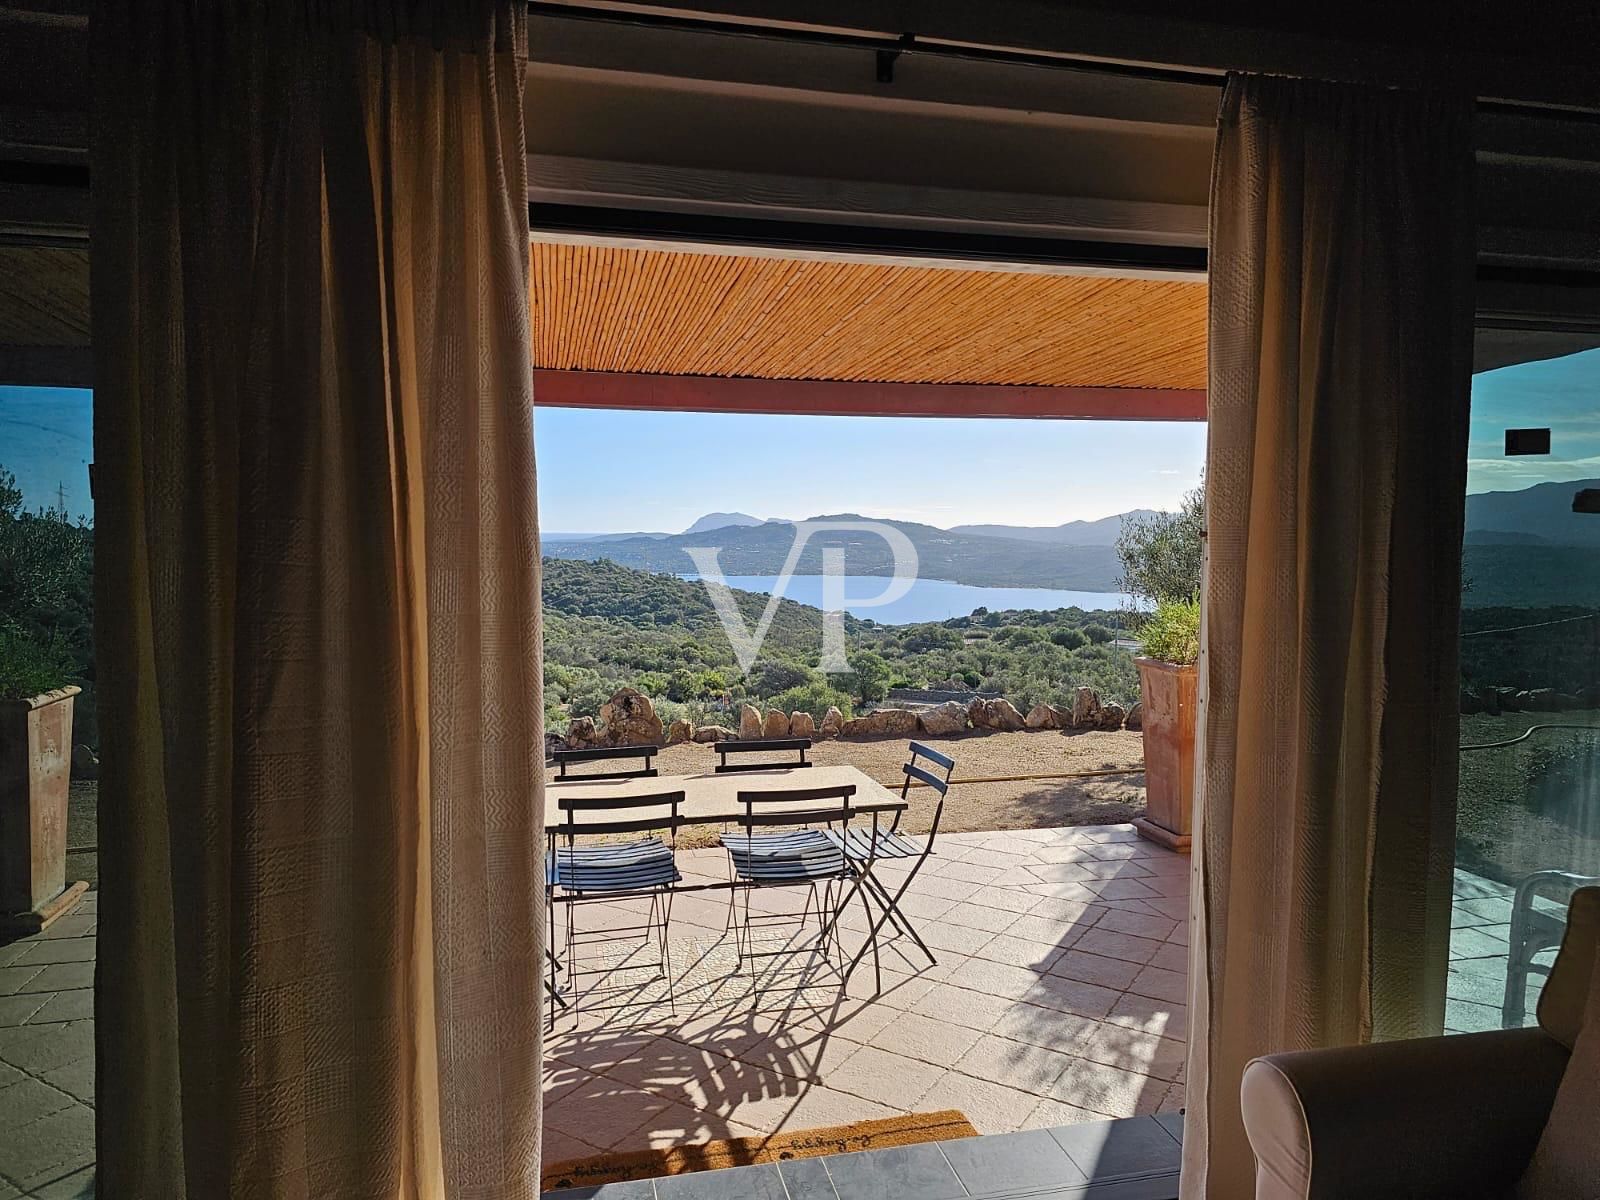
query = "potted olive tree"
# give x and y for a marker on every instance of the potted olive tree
(43, 561)
(1167, 679)
(1161, 564)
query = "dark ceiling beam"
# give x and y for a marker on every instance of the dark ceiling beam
(823, 397)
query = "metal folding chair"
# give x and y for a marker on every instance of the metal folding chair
(610, 870)
(562, 759)
(1534, 929)
(762, 746)
(803, 855)
(864, 847)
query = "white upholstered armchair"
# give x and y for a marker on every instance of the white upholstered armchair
(1509, 1113)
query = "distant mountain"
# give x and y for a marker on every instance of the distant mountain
(1542, 512)
(722, 520)
(1074, 533)
(761, 549)
(558, 536)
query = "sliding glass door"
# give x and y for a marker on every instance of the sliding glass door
(1528, 824)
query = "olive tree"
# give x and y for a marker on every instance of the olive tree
(1160, 553)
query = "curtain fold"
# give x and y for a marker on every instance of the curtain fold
(1340, 348)
(316, 603)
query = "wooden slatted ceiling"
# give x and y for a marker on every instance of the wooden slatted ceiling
(44, 296)
(607, 308)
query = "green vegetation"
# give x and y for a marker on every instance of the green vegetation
(46, 598)
(607, 625)
(1160, 553)
(1172, 632)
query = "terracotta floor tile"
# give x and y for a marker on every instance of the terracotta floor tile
(1014, 1064)
(889, 1079)
(926, 1039)
(1050, 1113)
(1117, 945)
(1095, 968)
(991, 1107)
(1152, 1016)
(1172, 986)
(1108, 1090)
(978, 916)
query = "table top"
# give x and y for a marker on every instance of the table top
(713, 799)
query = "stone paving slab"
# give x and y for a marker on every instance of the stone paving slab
(47, 1060)
(1046, 1004)
(1088, 967)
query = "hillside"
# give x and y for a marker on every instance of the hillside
(606, 625)
(722, 520)
(942, 554)
(1103, 532)
(1530, 575)
(1543, 511)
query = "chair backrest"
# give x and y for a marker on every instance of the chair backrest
(564, 758)
(762, 746)
(930, 767)
(646, 814)
(797, 806)
(1565, 999)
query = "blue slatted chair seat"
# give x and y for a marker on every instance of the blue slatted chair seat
(799, 856)
(613, 866)
(857, 844)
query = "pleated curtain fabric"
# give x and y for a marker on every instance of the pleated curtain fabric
(1341, 268)
(316, 603)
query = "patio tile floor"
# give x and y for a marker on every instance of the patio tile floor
(724, 1067)
(1026, 993)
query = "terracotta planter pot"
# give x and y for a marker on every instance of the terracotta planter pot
(35, 769)
(1167, 692)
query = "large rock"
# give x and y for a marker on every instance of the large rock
(801, 724)
(1086, 709)
(582, 734)
(885, 722)
(998, 714)
(1062, 715)
(680, 731)
(776, 725)
(749, 721)
(712, 733)
(945, 719)
(1040, 716)
(1135, 718)
(832, 723)
(629, 719)
(1111, 716)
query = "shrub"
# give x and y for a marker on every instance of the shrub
(1068, 638)
(773, 675)
(1098, 634)
(1172, 634)
(31, 663)
(813, 698)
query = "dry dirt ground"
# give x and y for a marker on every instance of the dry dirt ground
(1016, 804)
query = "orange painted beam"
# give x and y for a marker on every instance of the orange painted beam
(824, 397)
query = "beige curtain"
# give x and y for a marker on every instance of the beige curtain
(1340, 340)
(317, 603)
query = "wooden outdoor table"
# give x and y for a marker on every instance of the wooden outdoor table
(713, 799)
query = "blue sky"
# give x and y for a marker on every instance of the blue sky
(615, 471)
(1561, 393)
(611, 471)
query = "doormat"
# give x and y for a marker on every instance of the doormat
(908, 1130)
